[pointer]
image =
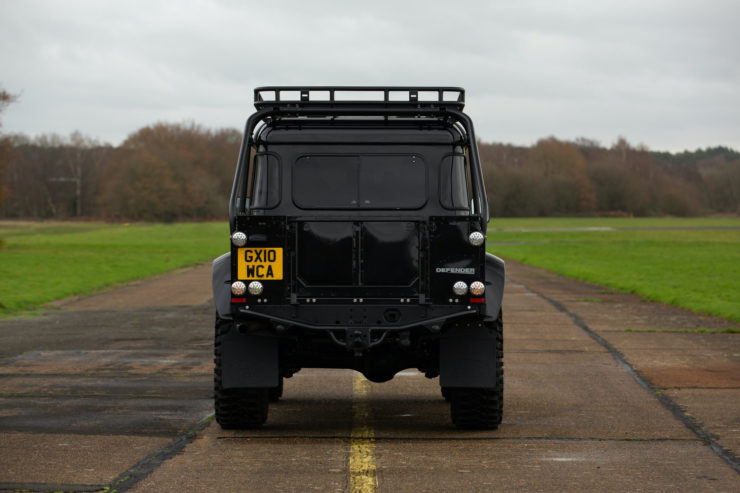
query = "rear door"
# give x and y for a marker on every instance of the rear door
(347, 259)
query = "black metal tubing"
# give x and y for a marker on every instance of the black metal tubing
(247, 143)
(479, 186)
(360, 109)
(332, 102)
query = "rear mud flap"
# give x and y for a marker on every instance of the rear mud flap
(467, 357)
(249, 360)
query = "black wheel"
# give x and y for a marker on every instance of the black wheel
(446, 393)
(275, 393)
(236, 409)
(481, 408)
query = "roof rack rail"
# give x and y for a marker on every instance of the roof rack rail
(390, 97)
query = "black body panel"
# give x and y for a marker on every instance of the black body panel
(355, 254)
(326, 255)
(452, 257)
(409, 265)
(389, 253)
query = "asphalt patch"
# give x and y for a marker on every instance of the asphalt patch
(103, 392)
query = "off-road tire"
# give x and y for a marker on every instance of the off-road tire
(275, 393)
(236, 409)
(481, 408)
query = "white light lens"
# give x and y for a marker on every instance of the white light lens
(238, 288)
(477, 288)
(239, 239)
(255, 288)
(476, 238)
(460, 288)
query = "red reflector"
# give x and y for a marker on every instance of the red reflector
(477, 300)
(238, 300)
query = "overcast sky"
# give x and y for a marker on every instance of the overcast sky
(662, 73)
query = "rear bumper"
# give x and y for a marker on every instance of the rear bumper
(356, 328)
(368, 317)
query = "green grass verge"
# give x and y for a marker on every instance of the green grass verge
(540, 223)
(700, 330)
(675, 261)
(42, 262)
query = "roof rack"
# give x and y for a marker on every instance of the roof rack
(350, 97)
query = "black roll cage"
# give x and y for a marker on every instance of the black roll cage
(397, 102)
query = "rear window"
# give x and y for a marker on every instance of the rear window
(366, 181)
(265, 182)
(454, 183)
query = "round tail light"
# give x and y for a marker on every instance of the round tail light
(476, 238)
(239, 239)
(238, 288)
(255, 288)
(460, 288)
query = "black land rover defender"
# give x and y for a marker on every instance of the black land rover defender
(358, 225)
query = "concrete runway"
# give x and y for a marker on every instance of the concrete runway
(114, 391)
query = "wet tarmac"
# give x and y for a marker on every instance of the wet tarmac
(119, 397)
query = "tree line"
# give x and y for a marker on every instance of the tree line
(582, 177)
(163, 172)
(173, 172)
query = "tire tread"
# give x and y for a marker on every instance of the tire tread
(240, 408)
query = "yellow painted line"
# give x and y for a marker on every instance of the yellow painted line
(363, 476)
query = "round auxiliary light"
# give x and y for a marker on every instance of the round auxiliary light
(477, 288)
(239, 239)
(476, 238)
(460, 288)
(255, 288)
(238, 288)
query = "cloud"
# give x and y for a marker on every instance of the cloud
(662, 73)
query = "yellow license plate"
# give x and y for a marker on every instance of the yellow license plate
(260, 263)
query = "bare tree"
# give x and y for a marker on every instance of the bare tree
(82, 156)
(5, 147)
(53, 176)
(169, 172)
(568, 188)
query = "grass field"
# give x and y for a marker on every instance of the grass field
(692, 263)
(45, 261)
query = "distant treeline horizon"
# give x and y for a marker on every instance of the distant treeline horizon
(183, 171)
